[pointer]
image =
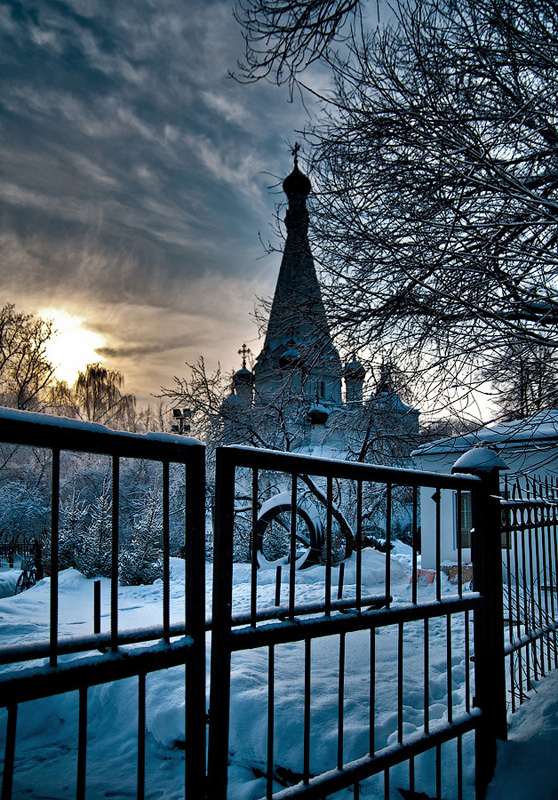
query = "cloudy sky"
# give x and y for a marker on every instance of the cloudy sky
(136, 178)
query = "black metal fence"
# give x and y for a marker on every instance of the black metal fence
(32, 669)
(347, 678)
(530, 556)
(426, 628)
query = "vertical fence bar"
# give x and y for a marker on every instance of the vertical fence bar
(438, 772)
(460, 767)
(400, 683)
(438, 535)
(459, 544)
(141, 737)
(467, 665)
(307, 700)
(341, 580)
(220, 633)
(292, 548)
(358, 545)
(166, 552)
(54, 526)
(114, 553)
(426, 685)
(328, 546)
(195, 708)
(277, 586)
(545, 581)
(82, 744)
(416, 545)
(9, 755)
(341, 701)
(372, 718)
(388, 542)
(448, 669)
(97, 606)
(254, 551)
(270, 719)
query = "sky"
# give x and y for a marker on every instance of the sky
(136, 178)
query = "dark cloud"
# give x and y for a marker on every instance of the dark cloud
(132, 171)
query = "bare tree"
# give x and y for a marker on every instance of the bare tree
(25, 370)
(525, 380)
(437, 170)
(283, 37)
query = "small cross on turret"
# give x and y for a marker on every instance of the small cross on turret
(294, 152)
(244, 352)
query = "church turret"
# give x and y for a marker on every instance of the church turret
(298, 345)
(354, 374)
(243, 380)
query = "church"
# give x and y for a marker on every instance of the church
(300, 396)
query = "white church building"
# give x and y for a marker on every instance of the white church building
(300, 396)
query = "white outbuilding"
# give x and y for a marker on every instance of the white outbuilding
(529, 448)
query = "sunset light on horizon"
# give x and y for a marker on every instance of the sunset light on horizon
(72, 346)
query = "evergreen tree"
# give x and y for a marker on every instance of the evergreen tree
(93, 557)
(73, 527)
(140, 560)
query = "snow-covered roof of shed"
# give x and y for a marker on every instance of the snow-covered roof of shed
(540, 429)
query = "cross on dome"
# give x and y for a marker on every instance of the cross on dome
(244, 352)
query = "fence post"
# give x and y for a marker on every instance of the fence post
(490, 668)
(221, 616)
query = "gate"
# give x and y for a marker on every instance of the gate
(66, 666)
(344, 679)
(296, 715)
(530, 540)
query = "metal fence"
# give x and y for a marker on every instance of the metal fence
(427, 627)
(31, 671)
(358, 681)
(530, 538)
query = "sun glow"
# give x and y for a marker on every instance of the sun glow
(72, 347)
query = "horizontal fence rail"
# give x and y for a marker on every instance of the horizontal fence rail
(78, 663)
(426, 625)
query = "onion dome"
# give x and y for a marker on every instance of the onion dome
(317, 415)
(290, 359)
(243, 377)
(297, 184)
(354, 371)
(230, 402)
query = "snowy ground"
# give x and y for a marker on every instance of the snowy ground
(47, 729)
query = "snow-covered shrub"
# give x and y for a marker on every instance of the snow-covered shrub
(24, 515)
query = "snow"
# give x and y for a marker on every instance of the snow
(50, 421)
(527, 766)
(538, 430)
(47, 729)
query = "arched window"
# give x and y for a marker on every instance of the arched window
(322, 388)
